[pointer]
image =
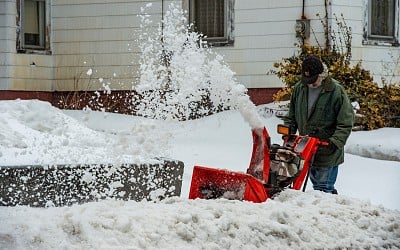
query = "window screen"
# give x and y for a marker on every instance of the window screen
(209, 17)
(214, 19)
(382, 17)
(33, 24)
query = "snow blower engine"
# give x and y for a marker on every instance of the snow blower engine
(272, 169)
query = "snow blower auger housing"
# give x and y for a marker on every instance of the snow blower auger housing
(272, 169)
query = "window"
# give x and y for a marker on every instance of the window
(383, 21)
(213, 19)
(32, 25)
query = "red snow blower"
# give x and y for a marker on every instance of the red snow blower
(272, 169)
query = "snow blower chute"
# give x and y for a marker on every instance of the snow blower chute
(272, 168)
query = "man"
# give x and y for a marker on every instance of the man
(319, 107)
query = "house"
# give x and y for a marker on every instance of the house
(49, 47)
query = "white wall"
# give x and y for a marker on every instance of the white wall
(6, 40)
(264, 34)
(375, 58)
(98, 35)
(17, 71)
(101, 35)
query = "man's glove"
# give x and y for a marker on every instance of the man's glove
(330, 146)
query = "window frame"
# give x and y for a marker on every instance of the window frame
(371, 39)
(44, 24)
(228, 38)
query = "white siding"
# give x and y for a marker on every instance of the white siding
(372, 57)
(97, 35)
(7, 40)
(16, 70)
(100, 35)
(264, 34)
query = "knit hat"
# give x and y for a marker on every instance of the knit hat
(310, 69)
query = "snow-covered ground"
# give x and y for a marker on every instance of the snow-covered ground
(365, 214)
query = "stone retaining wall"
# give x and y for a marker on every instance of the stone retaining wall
(61, 185)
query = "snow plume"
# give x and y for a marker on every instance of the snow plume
(181, 78)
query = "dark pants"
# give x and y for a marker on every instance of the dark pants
(324, 178)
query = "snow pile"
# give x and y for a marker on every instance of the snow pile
(180, 78)
(175, 77)
(33, 132)
(383, 148)
(294, 220)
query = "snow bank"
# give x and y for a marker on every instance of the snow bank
(378, 144)
(35, 133)
(294, 220)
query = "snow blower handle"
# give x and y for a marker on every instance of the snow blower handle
(328, 144)
(325, 143)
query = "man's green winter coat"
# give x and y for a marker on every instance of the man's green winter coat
(332, 117)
